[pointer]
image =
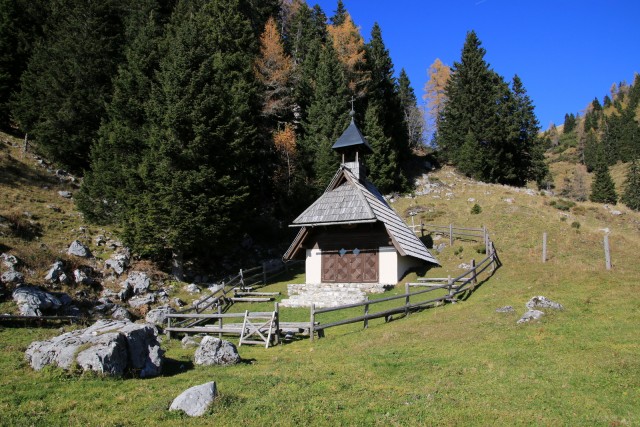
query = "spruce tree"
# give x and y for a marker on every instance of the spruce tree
(340, 14)
(631, 195)
(383, 91)
(326, 119)
(203, 161)
(501, 120)
(67, 82)
(569, 123)
(381, 164)
(472, 100)
(602, 188)
(112, 185)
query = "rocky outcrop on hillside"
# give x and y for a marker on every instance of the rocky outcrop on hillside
(108, 347)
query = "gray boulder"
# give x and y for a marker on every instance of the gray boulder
(9, 261)
(188, 342)
(138, 281)
(143, 300)
(119, 261)
(543, 302)
(158, 316)
(196, 400)
(192, 288)
(12, 277)
(81, 276)
(531, 315)
(56, 273)
(33, 301)
(214, 351)
(78, 249)
(108, 347)
(65, 194)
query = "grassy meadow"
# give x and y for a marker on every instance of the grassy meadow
(458, 364)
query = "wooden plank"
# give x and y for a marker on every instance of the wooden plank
(257, 294)
(207, 329)
(241, 299)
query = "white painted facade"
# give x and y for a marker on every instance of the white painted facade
(313, 266)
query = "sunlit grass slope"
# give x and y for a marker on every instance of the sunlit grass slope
(460, 364)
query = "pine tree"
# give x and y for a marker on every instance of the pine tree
(326, 119)
(481, 105)
(381, 164)
(413, 115)
(383, 91)
(339, 15)
(203, 161)
(631, 195)
(69, 79)
(602, 188)
(112, 185)
(569, 123)
(471, 100)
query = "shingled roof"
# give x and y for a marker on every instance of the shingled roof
(348, 200)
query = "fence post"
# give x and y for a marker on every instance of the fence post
(450, 285)
(486, 242)
(219, 321)
(406, 299)
(168, 326)
(451, 235)
(607, 252)
(544, 247)
(276, 308)
(241, 279)
(264, 273)
(484, 234)
(313, 321)
(366, 313)
(474, 278)
(421, 229)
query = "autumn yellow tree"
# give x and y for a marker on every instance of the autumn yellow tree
(285, 142)
(434, 90)
(273, 68)
(349, 47)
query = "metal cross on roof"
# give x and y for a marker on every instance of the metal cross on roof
(352, 112)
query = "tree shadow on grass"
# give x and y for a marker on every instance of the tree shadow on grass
(173, 367)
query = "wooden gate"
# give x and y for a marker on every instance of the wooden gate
(357, 266)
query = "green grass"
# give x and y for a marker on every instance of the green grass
(459, 364)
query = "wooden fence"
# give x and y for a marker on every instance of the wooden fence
(246, 278)
(419, 300)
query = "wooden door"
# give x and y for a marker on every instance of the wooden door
(359, 267)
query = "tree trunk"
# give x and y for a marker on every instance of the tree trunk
(177, 264)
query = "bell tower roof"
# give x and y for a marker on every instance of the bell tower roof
(352, 139)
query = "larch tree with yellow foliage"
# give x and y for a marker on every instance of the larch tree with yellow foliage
(274, 69)
(349, 47)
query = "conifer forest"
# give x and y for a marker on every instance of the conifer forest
(197, 123)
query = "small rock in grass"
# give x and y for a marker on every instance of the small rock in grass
(531, 315)
(196, 400)
(543, 302)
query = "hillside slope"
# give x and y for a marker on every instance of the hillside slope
(460, 364)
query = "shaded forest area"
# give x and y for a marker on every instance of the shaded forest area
(198, 125)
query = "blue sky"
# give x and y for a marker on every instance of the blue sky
(565, 51)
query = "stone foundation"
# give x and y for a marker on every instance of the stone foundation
(330, 294)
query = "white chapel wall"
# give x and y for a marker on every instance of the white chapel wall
(313, 266)
(388, 261)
